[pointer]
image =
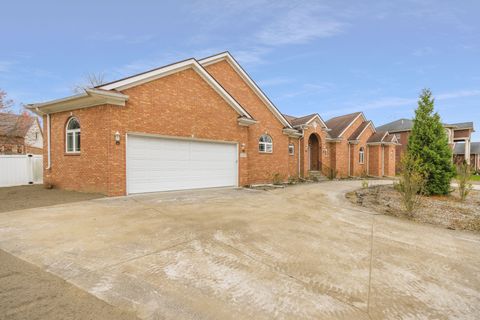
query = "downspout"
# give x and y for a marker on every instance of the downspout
(299, 150)
(349, 160)
(48, 137)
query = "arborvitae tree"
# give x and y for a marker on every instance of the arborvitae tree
(428, 143)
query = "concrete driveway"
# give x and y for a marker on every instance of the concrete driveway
(300, 252)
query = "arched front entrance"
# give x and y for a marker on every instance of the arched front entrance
(314, 153)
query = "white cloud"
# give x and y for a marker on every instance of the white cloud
(274, 81)
(301, 24)
(118, 37)
(308, 89)
(5, 65)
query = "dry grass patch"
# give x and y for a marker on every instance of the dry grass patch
(447, 211)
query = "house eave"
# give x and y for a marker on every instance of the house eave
(292, 133)
(89, 98)
(245, 122)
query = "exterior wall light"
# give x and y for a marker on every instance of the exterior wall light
(117, 137)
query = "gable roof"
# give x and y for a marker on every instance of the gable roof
(15, 125)
(108, 93)
(246, 77)
(338, 125)
(397, 125)
(460, 148)
(297, 121)
(382, 137)
(158, 73)
(361, 129)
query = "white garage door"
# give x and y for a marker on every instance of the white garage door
(158, 164)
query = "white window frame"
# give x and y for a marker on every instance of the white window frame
(75, 133)
(291, 149)
(267, 146)
(361, 155)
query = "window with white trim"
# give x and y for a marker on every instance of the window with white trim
(265, 144)
(361, 155)
(291, 149)
(72, 136)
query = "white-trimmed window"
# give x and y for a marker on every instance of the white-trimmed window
(361, 155)
(265, 144)
(72, 136)
(291, 149)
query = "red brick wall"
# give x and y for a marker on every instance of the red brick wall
(465, 133)
(389, 160)
(374, 160)
(181, 104)
(358, 169)
(261, 166)
(322, 156)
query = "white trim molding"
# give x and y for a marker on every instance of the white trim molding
(234, 64)
(89, 98)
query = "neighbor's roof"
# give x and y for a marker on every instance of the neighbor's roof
(407, 125)
(460, 148)
(397, 125)
(462, 125)
(14, 125)
(340, 123)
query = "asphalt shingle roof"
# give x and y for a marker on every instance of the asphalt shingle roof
(397, 125)
(338, 124)
(14, 125)
(358, 131)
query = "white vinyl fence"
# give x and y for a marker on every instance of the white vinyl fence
(17, 170)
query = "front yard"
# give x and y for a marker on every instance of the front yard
(447, 211)
(301, 252)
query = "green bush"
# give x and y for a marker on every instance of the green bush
(411, 184)
(428, 143)
(463, 179)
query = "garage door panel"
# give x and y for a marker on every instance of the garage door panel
(159, 164)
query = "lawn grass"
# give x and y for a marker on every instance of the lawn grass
(475, 178)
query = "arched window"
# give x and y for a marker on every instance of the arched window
(361, 155)
(265, 144)
(72, 138)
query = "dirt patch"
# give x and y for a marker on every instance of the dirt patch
(447, 211)
(34, 196)
(27, 292)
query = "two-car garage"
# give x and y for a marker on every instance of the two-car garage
(162, 164)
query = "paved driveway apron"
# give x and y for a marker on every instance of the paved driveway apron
(300, 252)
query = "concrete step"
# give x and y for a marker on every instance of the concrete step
(316, 175)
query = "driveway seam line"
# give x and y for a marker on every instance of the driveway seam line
(289, 275)
(370, 269)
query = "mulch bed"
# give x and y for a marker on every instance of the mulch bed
(447, 211)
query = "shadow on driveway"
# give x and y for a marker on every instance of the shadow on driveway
(34, 196)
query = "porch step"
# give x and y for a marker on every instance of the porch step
(316, 175)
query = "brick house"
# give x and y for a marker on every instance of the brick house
(459, 154)
(20, 134)
(456, 132)
(191, 124)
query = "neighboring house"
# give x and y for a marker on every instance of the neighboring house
(459, 154)
(401, 128)
(20, 134)
(194, 124)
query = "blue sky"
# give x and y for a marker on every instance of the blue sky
(330, 57)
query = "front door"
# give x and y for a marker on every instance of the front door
(313, 150)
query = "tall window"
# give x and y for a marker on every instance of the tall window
(73, 136)
(361, 156)
(265, 144)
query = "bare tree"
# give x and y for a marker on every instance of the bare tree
(5, 103)
(91, 80)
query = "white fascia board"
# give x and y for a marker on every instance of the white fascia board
(368, 125)
(174, 68)
(317, 116)
(226, 56)
(353, 121)
(90, 98)
(246, 121)
(292, 133)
